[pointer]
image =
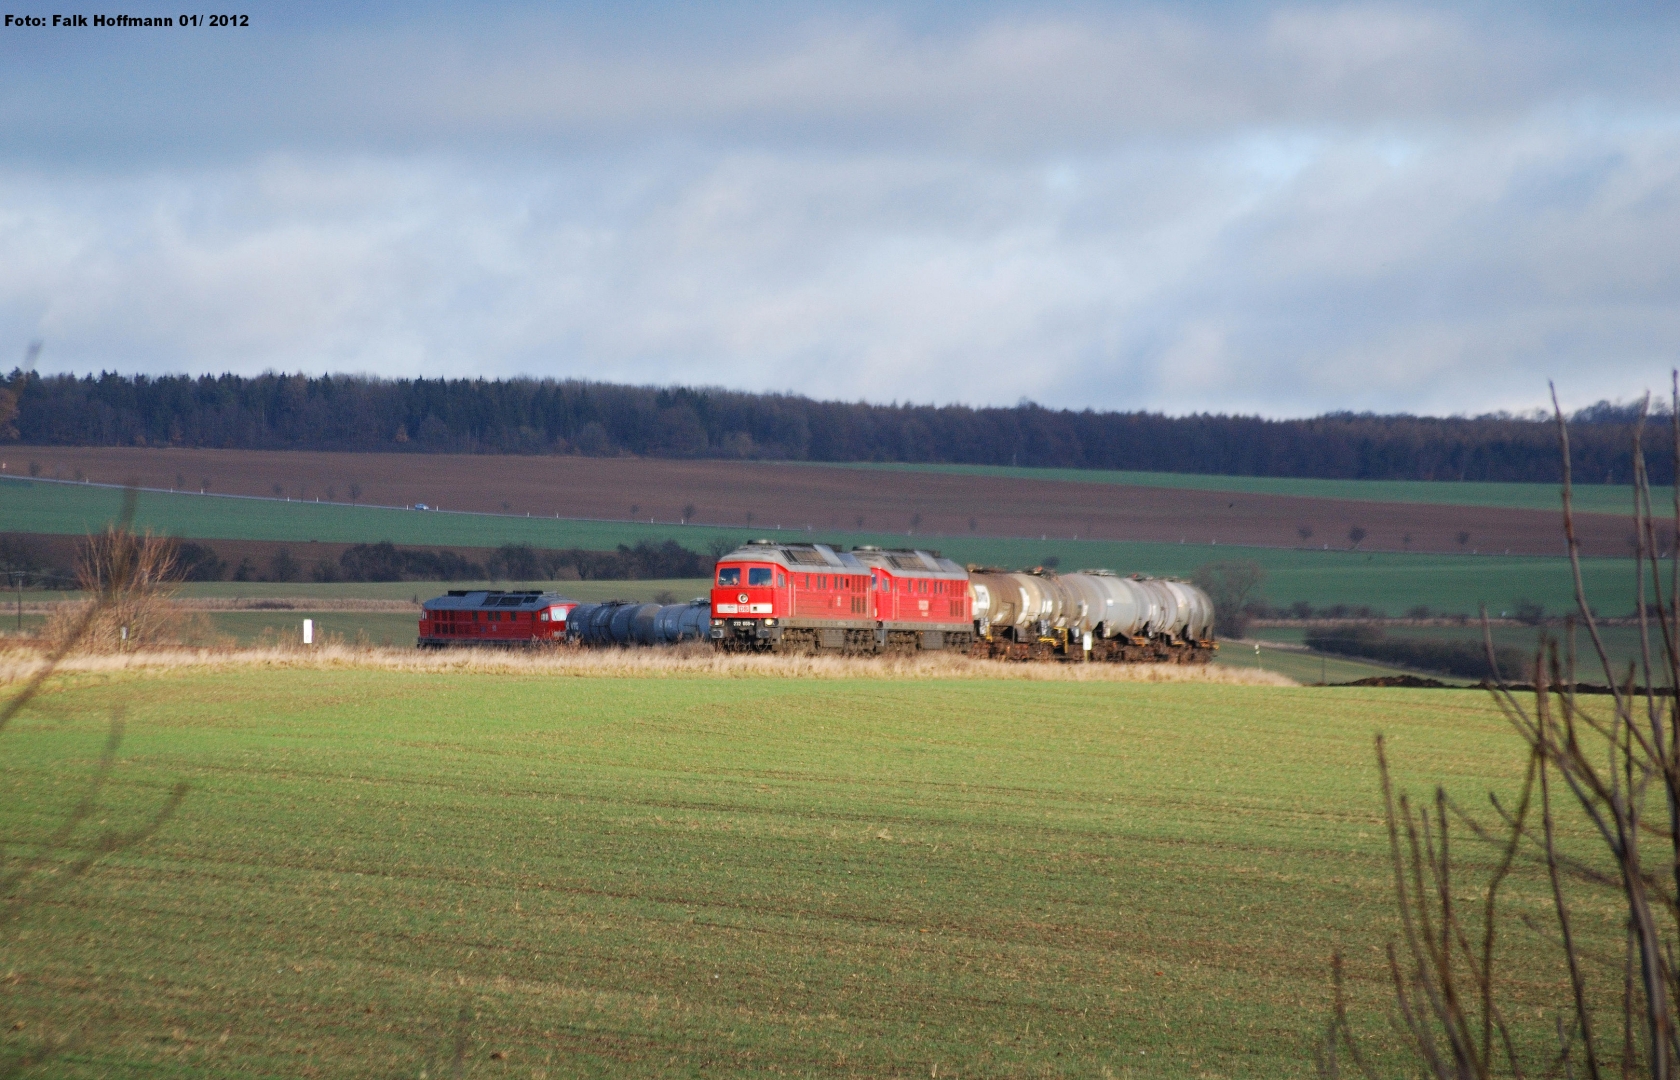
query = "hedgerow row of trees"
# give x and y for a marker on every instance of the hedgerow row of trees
(385, 561)
(532, 416)
(30, 562)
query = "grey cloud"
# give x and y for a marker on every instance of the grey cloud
(1280, 209)
(1009, 83)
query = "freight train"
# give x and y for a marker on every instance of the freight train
(806, 597)
(777, 597)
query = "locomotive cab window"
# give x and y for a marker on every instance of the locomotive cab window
(758, 575)
(729, 575)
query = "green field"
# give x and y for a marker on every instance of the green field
(1389, 582)
(1589, 498)
(690, 876)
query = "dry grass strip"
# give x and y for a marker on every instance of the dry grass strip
(18, 662)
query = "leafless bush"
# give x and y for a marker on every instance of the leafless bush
(128, 578)
(1614, 772)
(1231, 585)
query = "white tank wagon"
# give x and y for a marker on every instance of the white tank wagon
(1089, 615)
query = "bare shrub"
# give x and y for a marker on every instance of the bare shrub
(1611, 774)
(1230, 585)
(128, 578)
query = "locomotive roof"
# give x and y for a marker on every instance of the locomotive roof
(909, 562)
(471, 599)
(796, 556)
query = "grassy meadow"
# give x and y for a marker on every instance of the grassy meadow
(1390, 582)
(701, 875)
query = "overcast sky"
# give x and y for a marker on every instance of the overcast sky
(1275, 208)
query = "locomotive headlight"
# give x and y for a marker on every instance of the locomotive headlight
(769, 622)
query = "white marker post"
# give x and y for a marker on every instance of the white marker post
(309, 631)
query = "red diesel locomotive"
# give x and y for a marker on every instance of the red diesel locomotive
(493, 617)
(800, 597)
(792, 597)
(920, 600)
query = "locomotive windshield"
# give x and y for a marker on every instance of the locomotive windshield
(729, 575)
(758, 575)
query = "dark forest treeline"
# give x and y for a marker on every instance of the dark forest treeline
(385, 561)
(531, 416)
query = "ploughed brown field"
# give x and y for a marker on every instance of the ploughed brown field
(748, 494)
